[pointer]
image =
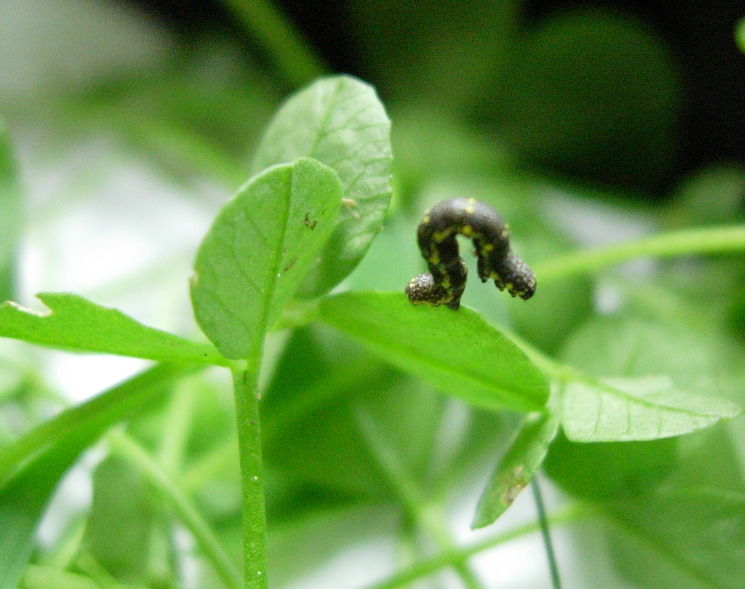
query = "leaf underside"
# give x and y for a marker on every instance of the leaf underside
(637, 409)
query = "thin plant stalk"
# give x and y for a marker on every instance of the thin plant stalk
(245, 385)
(546, 533)
(278, 36)
(714, 240)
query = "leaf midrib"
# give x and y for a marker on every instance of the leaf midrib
(268, 297)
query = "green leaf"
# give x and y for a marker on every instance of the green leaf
(517, 468)
(684, 538)
(690, 531)
(23, 500)
(99, 413)
(696, 361)
(10, 219)
(77, 324)
(457, 352)
(340, 122)
(119, 528)
(31, 468)
(672, 508)
(637, 409)
(610, 471)
(259, 249)
(698, 367)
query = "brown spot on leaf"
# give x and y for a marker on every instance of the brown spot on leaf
(308, 223)
(290, 265)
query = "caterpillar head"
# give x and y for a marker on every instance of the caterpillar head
(515, 276)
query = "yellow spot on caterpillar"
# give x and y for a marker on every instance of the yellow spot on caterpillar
(487, 247)
(467, 230)
(470, 206)
(425, 219)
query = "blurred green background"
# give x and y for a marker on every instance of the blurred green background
(132, 122)
(683, 54)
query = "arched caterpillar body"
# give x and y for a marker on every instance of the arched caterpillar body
(446, 281)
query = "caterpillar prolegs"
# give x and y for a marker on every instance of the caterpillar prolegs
(446, 280)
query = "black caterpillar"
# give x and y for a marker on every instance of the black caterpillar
(446, 281)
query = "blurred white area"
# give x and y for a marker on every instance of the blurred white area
(104, 225)
(594, 223)
(100, 221)
(46, 43)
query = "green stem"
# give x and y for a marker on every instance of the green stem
(246, 385)
(716, 240)
(203, 469)
(294, 58)
(546, 533)
(416, 506)
(448, 558)
(177, 421)
(185, 509)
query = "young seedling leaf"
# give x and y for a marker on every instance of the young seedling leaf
(517, 468)
(258, 251)
(340, 122)
(457, 352)
(637, 409)
(10, 219)
(76, 324)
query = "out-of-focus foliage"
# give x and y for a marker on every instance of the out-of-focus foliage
(378, 419)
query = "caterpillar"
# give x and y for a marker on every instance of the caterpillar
(446, 280)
